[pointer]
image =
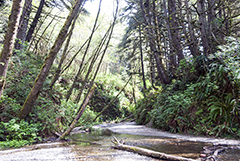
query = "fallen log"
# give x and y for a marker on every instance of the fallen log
(146, 152)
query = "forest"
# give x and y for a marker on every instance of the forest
(172, 65)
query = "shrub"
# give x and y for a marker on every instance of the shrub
(18, 133)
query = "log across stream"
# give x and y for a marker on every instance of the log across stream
(96, 146)
(211, 153)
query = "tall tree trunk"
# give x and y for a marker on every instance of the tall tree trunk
(35, 21)
(152, 71)
(175, 31)
(64, 54)
(172, 56)
(203, 26)
(212, 25)
(38, 84)
(22, 29)
(142, 64)
(150, 33)
(193, 47)
(9, 40)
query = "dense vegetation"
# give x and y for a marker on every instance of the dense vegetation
(189, 50)
(209, 106)
(176, 68)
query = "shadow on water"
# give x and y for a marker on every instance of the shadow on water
(97, 146)
(231, 154)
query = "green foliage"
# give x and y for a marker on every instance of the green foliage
(22, 71)
(208, 106)
(186, 71)
(219, 90)
(9, 108)
(171, 110)
(108, 86)
(100, 99)
(18, 133)
(66, 114)
(45, 112)
(145, 106)
(87, 117)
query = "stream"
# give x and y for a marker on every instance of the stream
(96, 145)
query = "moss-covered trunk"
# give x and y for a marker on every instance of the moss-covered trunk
(32, 97)
(64, 54)
(9, 41)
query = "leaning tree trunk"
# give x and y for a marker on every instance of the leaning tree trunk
(79, 114)
(85, 54)
(100, 113)
(64, 54)
(38, 84)
(22, 29)
(9, 40)
(35, 21)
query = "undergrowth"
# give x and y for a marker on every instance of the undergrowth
(209, 106)
(51, 112)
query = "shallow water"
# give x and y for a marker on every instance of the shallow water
(231, 154)
(97, 146)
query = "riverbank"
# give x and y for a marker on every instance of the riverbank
(96, 146)
(134, 129)
(54, 151)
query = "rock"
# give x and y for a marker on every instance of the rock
(203, 155)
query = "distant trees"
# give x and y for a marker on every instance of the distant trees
(175, 30)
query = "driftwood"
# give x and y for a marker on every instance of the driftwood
(215, 150)
(146, 152)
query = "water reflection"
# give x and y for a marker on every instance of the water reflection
(97, 146)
